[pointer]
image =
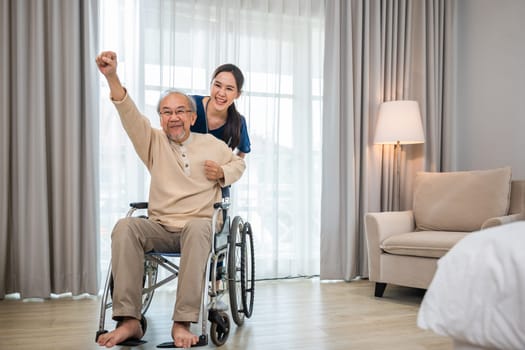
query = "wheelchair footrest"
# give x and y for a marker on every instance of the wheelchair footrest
(203, 341)
(129, 342)
(132, 342)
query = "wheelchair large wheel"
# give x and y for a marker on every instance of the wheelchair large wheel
(235, 256)
(149, 279)
(247, 270)
(220, 329)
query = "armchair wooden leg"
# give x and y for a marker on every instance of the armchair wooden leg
(380, 289)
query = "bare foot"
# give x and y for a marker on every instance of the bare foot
(129, 328)
(182, 337)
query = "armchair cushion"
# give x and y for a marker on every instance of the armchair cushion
(460, 201)
(428, 244)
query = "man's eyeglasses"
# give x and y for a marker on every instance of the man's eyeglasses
(177, 112)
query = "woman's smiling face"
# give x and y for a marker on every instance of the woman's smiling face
(223, 90)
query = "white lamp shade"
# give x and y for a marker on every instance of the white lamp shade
(399, 121)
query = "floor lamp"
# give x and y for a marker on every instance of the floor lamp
(398, 123)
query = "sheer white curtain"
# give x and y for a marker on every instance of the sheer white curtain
(279, 47)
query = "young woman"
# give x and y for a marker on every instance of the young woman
(217, 114)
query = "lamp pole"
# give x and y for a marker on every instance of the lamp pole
(397, 176)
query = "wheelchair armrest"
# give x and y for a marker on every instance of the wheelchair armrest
(222, 205)
(139, 205)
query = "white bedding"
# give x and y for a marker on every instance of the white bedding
(477, 295)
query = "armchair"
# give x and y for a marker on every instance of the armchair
(404, 246)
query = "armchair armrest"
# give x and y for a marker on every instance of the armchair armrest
(501, 220)
(379, 226)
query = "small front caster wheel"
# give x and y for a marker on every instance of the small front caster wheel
(220, 328)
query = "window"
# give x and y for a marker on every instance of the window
(279, 47)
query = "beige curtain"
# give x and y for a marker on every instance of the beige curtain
(48, 153)
(378, 51)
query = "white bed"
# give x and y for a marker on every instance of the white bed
(477, 296)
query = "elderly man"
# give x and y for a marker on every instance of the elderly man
(187, 173)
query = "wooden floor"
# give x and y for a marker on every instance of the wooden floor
(288, 314)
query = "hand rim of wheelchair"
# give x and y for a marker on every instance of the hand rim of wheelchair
(234, 266)
(240, 304)
(247, 270)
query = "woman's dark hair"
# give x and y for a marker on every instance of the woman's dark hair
(232, 127)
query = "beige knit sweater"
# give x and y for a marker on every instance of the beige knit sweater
(179, 190)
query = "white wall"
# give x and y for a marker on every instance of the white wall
(491, 85)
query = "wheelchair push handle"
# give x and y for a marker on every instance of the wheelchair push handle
(139, 205)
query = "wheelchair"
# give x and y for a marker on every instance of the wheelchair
(230, 270)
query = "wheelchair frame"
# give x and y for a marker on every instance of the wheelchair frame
(231, 245)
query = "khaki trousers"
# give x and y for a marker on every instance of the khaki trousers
(132, 237)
